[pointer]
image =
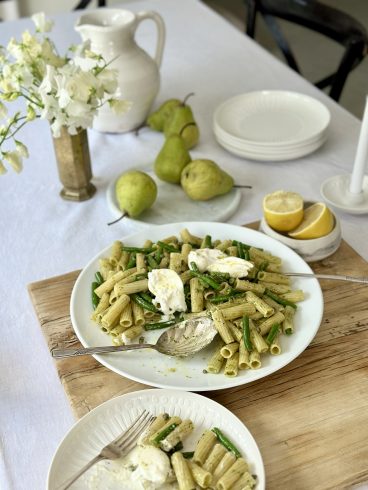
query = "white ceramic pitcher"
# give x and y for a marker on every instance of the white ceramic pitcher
(111, 32)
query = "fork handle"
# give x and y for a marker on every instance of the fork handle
(75, 477)
(336, 277)
(59, 353)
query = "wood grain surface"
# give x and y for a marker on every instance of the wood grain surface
(310, 419)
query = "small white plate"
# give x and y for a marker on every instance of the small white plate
(272, 117)
(152, 368)
(336, 192)
(173, 205)
(99, 427)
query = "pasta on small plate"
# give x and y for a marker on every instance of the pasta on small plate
(216, 450)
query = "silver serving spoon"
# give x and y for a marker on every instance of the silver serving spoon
(184, 339)
(335, 277)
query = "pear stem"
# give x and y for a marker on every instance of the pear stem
(121, 217)
(187, 97)
(185, 126)
(243, 186)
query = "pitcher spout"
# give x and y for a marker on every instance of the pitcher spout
(103, 22)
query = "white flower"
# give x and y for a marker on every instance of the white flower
(3, 111)
(41, 23)
(31, 113)
(66, 92)
(21, 149)
(108, 79)
(48, 82)
(120, 106)
(49, 56)
(14, 159)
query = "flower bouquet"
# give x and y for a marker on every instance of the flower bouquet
(67, 90)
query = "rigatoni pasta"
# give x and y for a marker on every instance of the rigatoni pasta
(125, 308)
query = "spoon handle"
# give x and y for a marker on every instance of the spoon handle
(363, 280)
(84, 351)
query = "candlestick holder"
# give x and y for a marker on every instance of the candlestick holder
(336, 191)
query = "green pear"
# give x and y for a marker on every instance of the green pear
(204, 179)
(172, 158)
(135, 192)
(181, 116)
(157, 119)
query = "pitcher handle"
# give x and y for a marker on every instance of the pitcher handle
(160, 32)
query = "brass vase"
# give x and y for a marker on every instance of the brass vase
(74, 165)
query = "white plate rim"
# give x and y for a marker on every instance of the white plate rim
(256, 461)
(265, 93)
(271, 157)
(225, 382)
(261, 149)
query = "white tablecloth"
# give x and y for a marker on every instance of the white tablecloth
(43, 235)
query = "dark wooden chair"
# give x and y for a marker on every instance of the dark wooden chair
(335, 24)
(84, 3)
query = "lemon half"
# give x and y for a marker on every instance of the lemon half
(318, 221)
(283, 210)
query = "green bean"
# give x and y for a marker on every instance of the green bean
(137, 249)
(143, 303)
(244, 245)
(99, 278)
(226, 442)
(95, 298)
(240, 250)
(207, 280)
(164, 433)
(281, 301)
(207, 242)
(246, 334)
(175, 449)
(225, 297)
(146, 297)
(220, 276)
(188, 454)
(246, 252)
(272, 333)
(132, 261)
(158, 255)
(203, 277)
(158, 325)
(152, 262)
(167, 247)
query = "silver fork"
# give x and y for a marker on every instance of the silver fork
(124, 443)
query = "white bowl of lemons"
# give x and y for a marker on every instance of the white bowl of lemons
(309, 228)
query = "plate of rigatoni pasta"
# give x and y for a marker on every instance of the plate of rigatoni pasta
(193, 442)
(154, 280)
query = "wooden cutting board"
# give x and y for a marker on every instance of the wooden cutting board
(310, 419)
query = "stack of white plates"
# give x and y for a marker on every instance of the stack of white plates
(271, 125)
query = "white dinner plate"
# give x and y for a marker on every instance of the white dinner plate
(271, 156)
(152, 368)
(173, 205)
(272, 117)
(266, 149)
(100, 426)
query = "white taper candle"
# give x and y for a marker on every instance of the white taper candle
(356, 180)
